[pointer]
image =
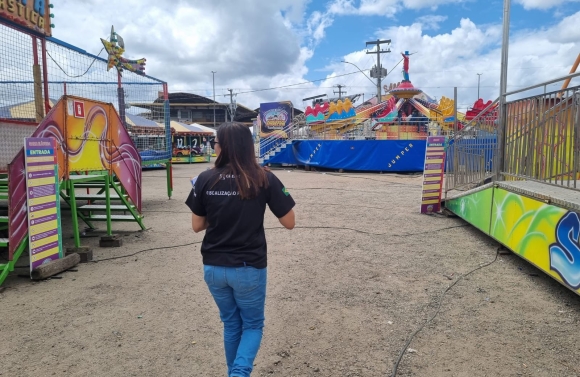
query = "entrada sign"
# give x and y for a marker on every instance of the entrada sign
(32, 14)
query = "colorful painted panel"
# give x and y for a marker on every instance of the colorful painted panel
(124, 158)
(545, 235)
(474, 208)
(17, 217)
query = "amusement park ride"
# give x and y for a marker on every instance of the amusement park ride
(91, 167)
(403, 117)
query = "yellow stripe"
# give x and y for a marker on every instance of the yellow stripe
(432, 187)
(432, 171)
(43, 227)
(44, 254)
(429, 179)
(435, 161)
(42, 200)
(40, 159)
(40, 168)
(430, 153)
(40, 181)
(44, 212)
(44, 241)
(431, 195)
(432, 149)
(434, 201)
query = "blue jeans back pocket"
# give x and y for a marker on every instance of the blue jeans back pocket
(208, 274)
(248, 279)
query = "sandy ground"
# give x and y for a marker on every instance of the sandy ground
(347, 288)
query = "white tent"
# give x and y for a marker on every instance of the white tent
(207, 129)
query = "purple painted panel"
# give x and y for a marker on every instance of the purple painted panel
(17, 217)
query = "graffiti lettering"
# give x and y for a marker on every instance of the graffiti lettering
(565, 252)
(398, 156)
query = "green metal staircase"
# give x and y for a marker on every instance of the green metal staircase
(9, 265)
(108, 202)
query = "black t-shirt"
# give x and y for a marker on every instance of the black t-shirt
(235, 236)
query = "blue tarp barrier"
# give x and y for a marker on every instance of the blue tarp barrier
(357, 155)
(151, 155)
(474, 148)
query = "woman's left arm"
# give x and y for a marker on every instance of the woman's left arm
(198, 223)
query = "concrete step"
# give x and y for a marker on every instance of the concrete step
(103, 207)
(113, 218)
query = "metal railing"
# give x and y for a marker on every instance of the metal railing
(538, 140)
(297, 130)
(542, 138)
(472, 151)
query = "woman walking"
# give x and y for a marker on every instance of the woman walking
(228, 202)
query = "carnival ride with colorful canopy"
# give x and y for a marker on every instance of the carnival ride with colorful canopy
(405, 112)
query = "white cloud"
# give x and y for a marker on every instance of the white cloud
(431, 22)
(317, 23)
(451, 59)
(542, 4)
(268, 43)
(250, 44)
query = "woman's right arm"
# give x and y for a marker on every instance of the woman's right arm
(288, 220)
(280, 202)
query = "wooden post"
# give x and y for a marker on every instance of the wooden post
(37, 76)
(55, 267)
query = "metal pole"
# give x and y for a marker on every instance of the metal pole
(379, 71)
(231, 105)
(478, 80)
(503, 87)
(168, 142)
(45, 76)
(213, 80)
(455, 122)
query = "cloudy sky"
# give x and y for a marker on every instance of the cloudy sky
(260, 44)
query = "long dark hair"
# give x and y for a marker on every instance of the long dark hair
(237, 158)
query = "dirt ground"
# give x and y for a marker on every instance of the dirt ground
(347, 287)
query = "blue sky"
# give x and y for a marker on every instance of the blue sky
(259, 47)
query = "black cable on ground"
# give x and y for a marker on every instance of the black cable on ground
(402, 353)
(374, 234)
(141, 251)
(327, 173)
(281, 227)
(333, 189)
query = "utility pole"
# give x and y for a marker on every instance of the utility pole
(478, 78)
(231, 105)
(340, 91)
(213, 80)
(378, 71)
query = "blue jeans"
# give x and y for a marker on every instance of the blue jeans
(240, 295)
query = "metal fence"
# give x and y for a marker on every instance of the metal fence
(534, 137)
(36, 72)
(472, 151)
(542, 138)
